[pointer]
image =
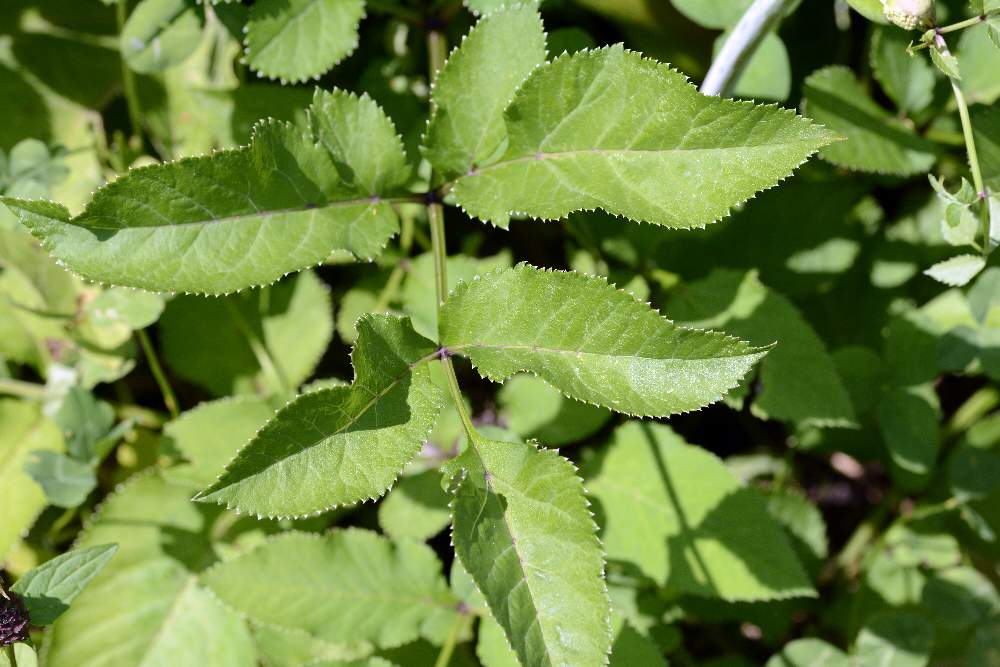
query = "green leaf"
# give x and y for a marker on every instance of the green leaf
(713, 14)
(679, 515)
(85, 420)
(986, 131)
(768, 73)
(475, 85)
(594, 343)
(49, 589)
(283, 646)
(341, 445)
(523, 531)
(809, 652)
(295, 40)
(146, 606)
(610, 129)
(160, 34)
(875, 140)
(798, 379)
(206, 438)
(978, 59)
(895, 639)
(907, 79)
(957, 271)
(238, 218)
(535, 410)
(293, 319)
(487, 6)
(67, 481)
(416, 508)
(344, 586)
(23, 430)
(870, 9)
(908, 421)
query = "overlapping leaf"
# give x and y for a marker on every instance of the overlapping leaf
(237, 218)
(345, 444)
(609, 129)
(49, 589)
(295, 40)
(675, 512)
(875, 141)
(591, 341)
(523, 531)
(476, 84)
(344, 586)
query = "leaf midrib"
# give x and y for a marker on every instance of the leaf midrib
(554, 350)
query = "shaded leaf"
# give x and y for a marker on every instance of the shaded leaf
(49, 589)
(160, 34)
(898, 639)
(907, 79)
(67, 481)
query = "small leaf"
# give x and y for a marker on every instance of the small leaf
(682, 518)
(875, 141)
(907, 79)
(341, 445)
(344, 586)
(610, 129)
(416, 508)
(946, 62)
(67, 482)
(809, 652)
(523, 531)
(593, 342)
(220, 223)
(476, 84)
(957, 271)
(160, 34)
(295, 40)
(49, 589)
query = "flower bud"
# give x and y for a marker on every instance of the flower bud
(908, 14)
(13, 619)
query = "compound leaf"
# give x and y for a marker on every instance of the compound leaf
(49, 588)
(345, 586)
(295, 40)
(875, 141)
(344, 444)
(678, 514)
(522, 529)
(238, 218)
(476, 84)
(594, 343)
(610, 129)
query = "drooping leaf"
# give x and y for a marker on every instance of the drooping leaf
(609, 129)
(160, 34)
(49, 589)
(874, 140)
(799, 382)
(146, 606)
(475, 85)
(23, 430)
(345, 444)
(293, 319)
(523, 531)
(593, 342)
(295, 40)
(220, 223)
(207, 437)
(907, 79)
(344, 586)
(679, 515)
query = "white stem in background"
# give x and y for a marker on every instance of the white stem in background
(741, 44)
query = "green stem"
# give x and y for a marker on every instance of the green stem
(444, 657)
(169, 399)
(961, 25)
(30, 390)
(128, 78)
(970, 147)
(265, 359)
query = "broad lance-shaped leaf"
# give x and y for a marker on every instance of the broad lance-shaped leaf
(238, 218)
(591, 341)
(345, 586)
(523, 530)
(345, 444)
(476, 84)
(610, 129)
(49, 588)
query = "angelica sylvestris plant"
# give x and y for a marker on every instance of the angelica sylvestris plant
(381, 333)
